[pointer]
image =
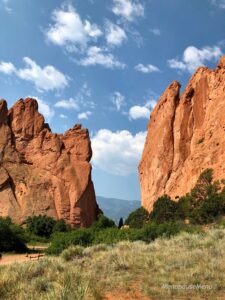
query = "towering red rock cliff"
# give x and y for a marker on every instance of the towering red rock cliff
(186, 135)
(42, 172)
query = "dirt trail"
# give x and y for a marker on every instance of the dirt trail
(8, 259)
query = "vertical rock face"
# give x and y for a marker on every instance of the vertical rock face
(186, 135)
(42, 172)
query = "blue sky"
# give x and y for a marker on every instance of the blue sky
(104, 64)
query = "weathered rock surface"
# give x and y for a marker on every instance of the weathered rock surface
(186, 135)
(42, 172)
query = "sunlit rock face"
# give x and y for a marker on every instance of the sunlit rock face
(186, 135)
(42, 172)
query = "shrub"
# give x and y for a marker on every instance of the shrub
(210, 209)
(40, 225)
(72, 253)
(164, 210)
(103, 222)
(61, 241)
(184, 207)
(137, 218)
(152, 231)
(11, 236)
(61, 226)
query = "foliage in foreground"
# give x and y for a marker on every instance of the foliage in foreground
(113, 235)
(12, 237)
(192, 260)
(44, 226)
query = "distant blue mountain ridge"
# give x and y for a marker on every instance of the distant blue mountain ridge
(117, 208)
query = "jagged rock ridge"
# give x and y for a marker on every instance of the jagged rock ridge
(42, 172)
(186, 135)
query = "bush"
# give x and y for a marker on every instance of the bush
(61, 241)
(103, 222)
(209, 211)
(44, 226)
(61, 226)
(137, 218)
(40, 225)
(164, 210)
(72, 253)
(12, 237)
(152, 231)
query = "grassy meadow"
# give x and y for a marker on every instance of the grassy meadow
(187, 266)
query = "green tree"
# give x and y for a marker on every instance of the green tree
(103, 222)
(61, 226)
(164, 210)
(40, 225)
(12, 237)
(137, 218)
(120, 224)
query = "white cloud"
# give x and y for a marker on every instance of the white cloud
(7, 67)
(80, 101)
(84, 115)
(118, 100)
(141, 112)
(99, 56)
(128, 9)
(47, 78)
(70, 30)
(151, 104)
(70, 103)
(44, 108)
(194, 57)
(146, 68)
(62, 116)
(156, 31)
(117, 152)
(219, 3)
(115, 35)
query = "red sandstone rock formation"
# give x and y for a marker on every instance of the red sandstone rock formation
(42, 172)
(186, 135)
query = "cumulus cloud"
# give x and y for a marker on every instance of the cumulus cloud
(194, 57)
(98, 56)
(141, 112)
(7, 67)
(117, 152)
(84, 115)
(118, 100)
(70, 103)
(70, 30)
(146, 68)
(128, 9)
(44, 108)
(44, 79)
(115, 35)
(218, 3)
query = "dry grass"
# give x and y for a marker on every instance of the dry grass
(188, 266)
